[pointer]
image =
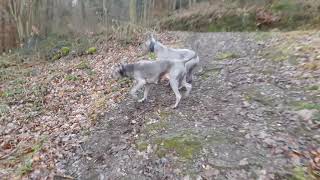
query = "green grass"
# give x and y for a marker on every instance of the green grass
(4, 108)
(71, 77)
(26, 167)
(309, 106)
(152, 56)
(83, 65)
(301, 173)
(14, 91)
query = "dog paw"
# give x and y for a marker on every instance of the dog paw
(174, 106)
(135, 97)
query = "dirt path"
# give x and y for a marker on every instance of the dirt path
(240, 122)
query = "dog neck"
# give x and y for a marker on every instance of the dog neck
(156, 46)
(126, 70)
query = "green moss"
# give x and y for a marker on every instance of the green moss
(316, 117)
(300, 173)
(233, 22)
(187, 146)
(142, 146)
(314, 88)
(155, 127)
(210, 73)
(91, 50)
(65, 51)
(227, 55)
(285, 5)
(262, 36)
(57, 56)
(254, 95)
(280, 54)
(164, 115)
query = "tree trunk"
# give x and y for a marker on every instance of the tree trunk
(133, 11)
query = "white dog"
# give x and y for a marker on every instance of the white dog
(164, 53)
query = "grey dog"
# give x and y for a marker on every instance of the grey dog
(164, 53)
(146, 73)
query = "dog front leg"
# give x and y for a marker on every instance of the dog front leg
(138, 86)
(145, 94)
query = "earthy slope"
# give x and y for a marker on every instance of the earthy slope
(253, 113)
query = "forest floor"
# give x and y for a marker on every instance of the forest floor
(253, 113)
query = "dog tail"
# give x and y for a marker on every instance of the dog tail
(196, 47)
(187, 60)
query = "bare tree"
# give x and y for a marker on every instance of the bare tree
(133, 11)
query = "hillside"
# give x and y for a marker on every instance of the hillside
(253, 114)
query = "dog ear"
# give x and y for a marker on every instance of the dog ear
(152, 38)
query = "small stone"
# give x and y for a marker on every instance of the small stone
(262, 135)
(243, 162)
(269, 142)
(246, 104)
(211, 172)
(187, 177)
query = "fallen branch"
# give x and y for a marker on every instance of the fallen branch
(9, 154)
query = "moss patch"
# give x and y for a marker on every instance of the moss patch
(314, 88)
(210, 73)
(300, 173)
(65, 51)
(310, 106)
(142, 146)
(91, 50)
(186, 146)
(156, 127)
(227, 55)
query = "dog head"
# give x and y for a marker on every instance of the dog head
(118, 72)
(148, 46)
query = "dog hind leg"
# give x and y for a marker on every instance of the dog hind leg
(189, 75)
(174, 85)
(138, 86)
(188, 86)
